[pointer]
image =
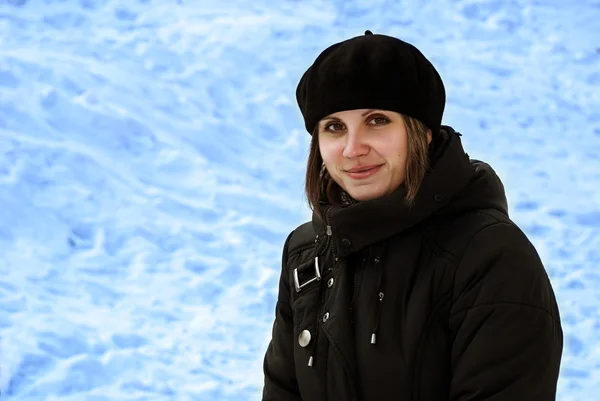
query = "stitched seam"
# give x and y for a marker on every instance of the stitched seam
(299, 250)
(462, 256)
(424, 333)
(485, 213)
(439, 251)
(346, 365)
(475, 235)
(494, 304)
(454, 259)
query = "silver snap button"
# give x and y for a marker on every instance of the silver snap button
(330, 282)
(304, 338)
(325, 317)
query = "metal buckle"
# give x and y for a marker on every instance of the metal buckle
(317, 277)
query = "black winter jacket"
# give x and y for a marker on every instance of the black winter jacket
(447, 300)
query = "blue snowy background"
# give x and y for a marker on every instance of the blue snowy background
(151, 166)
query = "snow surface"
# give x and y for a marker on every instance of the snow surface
(151, 166)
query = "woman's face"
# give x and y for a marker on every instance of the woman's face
(365, 151)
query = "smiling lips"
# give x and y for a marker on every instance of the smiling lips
(362, 172)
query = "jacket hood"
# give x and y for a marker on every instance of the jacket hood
(484, 191)
(454, 184)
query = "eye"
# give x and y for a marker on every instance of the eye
(380, 120)
(328, 127)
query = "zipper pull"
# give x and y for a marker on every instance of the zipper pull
(328, 230)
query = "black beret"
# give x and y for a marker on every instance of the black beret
(372, 72)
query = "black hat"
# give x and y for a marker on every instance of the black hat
(372, 72)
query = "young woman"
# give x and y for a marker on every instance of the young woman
(411, 282)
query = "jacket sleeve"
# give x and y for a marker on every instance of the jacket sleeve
(505, 321)
(279, 369)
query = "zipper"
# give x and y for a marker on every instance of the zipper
(329, 233)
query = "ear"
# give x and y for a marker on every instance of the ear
(429, 136)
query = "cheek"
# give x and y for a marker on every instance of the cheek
(392, 149)
(329, 151)
(395, 153)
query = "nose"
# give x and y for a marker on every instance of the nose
(355, 145)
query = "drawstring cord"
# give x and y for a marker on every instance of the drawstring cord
(377, 318)
(378, 307)
(380, 296)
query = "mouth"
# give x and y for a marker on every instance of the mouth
(363, 171)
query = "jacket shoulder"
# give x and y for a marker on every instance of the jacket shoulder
(302, 238)
(451, 235)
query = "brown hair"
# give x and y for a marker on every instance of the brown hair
(318, 181)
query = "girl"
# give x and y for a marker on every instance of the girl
(411, 282)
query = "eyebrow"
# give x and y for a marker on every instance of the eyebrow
(336, 118)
